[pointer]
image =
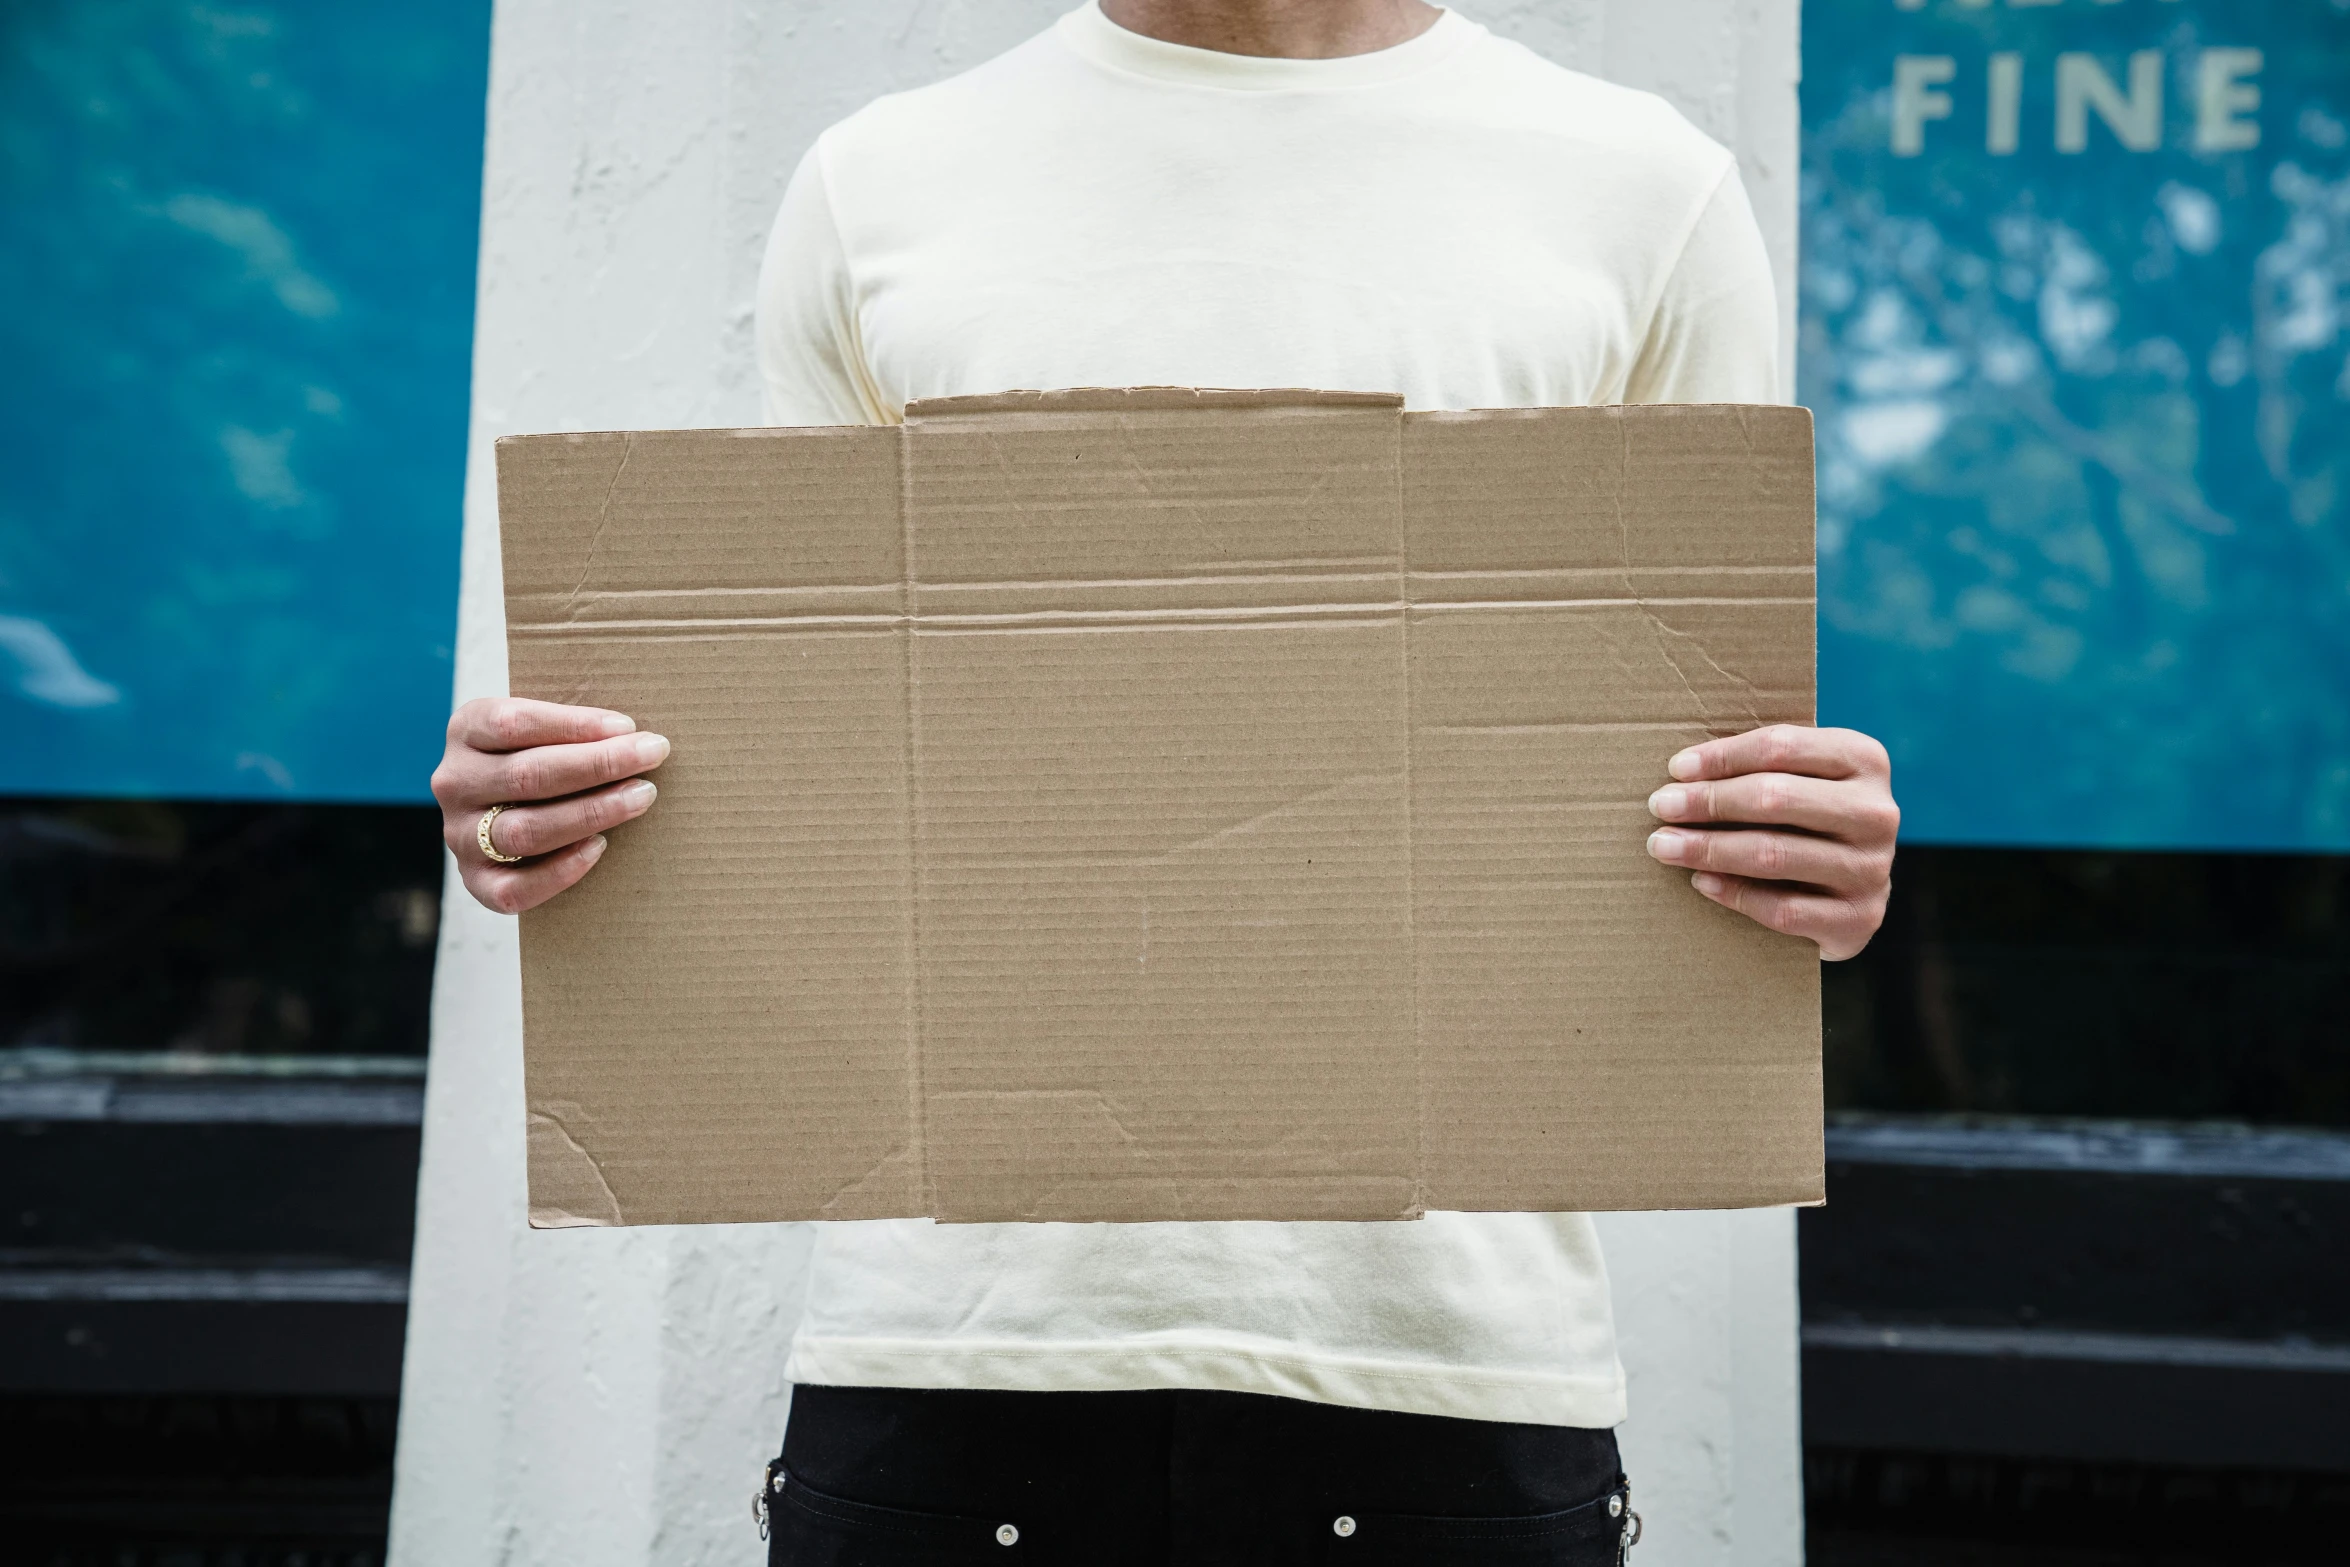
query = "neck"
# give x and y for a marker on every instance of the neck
(1277, 29)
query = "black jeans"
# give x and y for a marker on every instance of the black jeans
(886, 1477)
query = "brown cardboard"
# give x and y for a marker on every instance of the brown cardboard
(1164, 805)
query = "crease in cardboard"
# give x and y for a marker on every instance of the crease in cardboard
(1161, 944)
(1089, 1098)
(1668, 635)
(587, 559)
(1656, 626)
(1234, 829)
(565, 1208)
(843, 1199)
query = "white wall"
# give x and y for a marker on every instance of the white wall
(592, 1397)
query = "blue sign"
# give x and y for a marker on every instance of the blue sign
(236, 307)
(2073, 289)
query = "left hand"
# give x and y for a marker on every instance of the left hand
(1791, 827)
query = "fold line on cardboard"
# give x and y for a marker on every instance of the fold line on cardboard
(917, 1098)
(1411, 851)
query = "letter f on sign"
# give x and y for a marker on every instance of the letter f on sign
(1915, 76)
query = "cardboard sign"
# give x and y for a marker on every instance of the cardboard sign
(1159, 804)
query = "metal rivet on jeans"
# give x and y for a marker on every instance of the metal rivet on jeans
(1006, 1535)
(1615, 1507)
(779, 1485)
(1342, 1526)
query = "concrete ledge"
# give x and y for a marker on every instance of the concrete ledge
(202, 1344)
(2128, 1398)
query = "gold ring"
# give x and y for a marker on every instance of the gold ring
(481, 835)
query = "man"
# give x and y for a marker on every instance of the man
(1347, 194)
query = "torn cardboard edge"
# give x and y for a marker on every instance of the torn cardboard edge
(1162, 803)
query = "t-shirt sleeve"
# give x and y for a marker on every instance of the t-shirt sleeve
(811, 363)
(1714, 335)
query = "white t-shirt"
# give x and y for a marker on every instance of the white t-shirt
(1454, 219)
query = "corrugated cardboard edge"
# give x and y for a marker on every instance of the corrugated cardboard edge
(1143, 399)
(746, 432)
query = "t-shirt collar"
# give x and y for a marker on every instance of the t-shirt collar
(1103, 42)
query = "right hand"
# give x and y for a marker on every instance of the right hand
(581, 761)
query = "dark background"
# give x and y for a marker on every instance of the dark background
(2051, 1028)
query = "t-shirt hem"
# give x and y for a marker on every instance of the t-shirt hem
(1465, 1393)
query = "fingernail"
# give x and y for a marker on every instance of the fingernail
(638, 796)
(1707, 882)
(616, 724)
(593, 849)
(1666, 845)
(1668, 801)
(1684, 764)
(650, 749)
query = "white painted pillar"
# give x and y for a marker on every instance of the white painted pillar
(605, 1398)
